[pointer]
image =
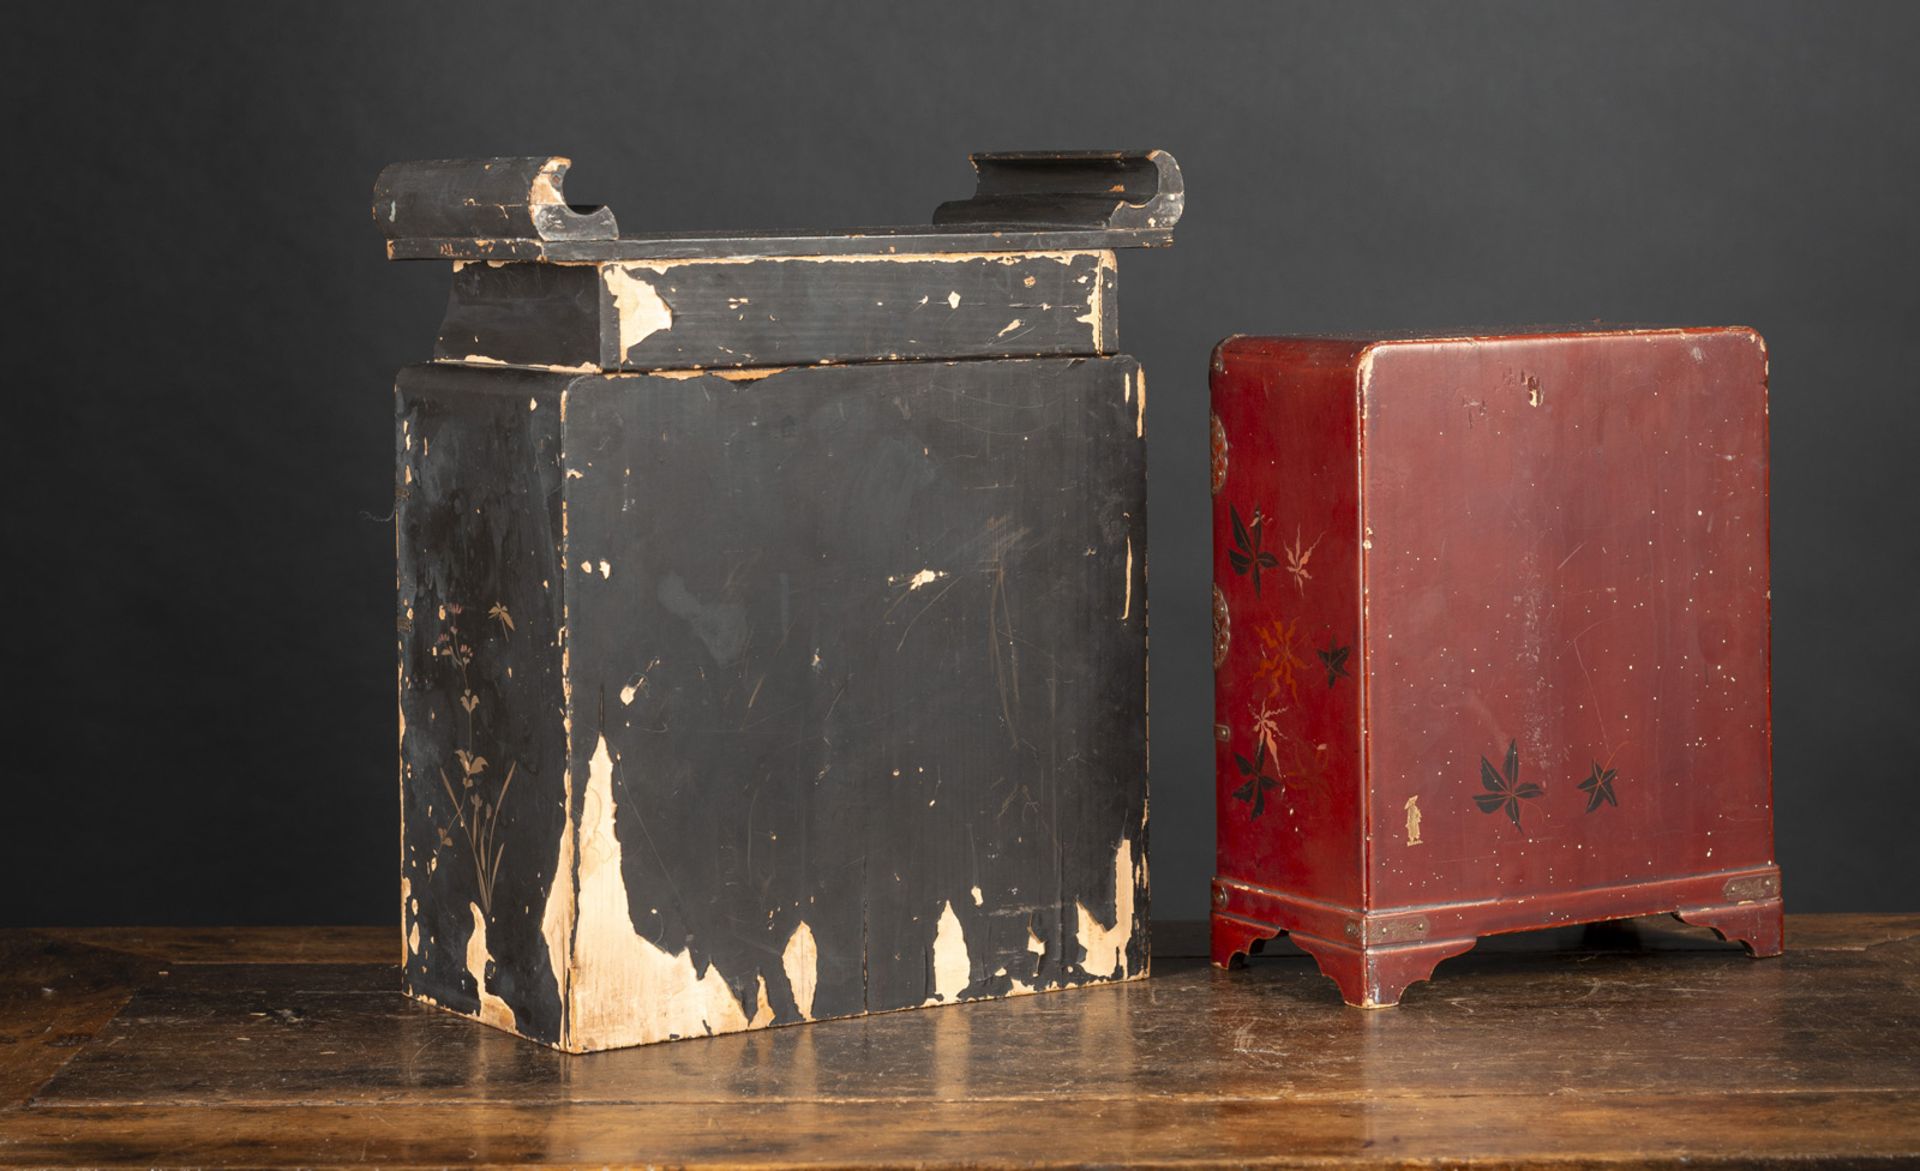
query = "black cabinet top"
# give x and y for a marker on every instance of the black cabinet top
(513, 209)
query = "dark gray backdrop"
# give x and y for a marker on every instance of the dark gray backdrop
(203, 333)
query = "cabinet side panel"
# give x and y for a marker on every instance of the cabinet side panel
(483, 740)
(858, 668)
(1287, 617)
(1569, 577)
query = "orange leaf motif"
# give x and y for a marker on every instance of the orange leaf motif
(1278, 657)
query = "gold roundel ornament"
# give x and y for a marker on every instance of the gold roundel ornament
(1219, 446)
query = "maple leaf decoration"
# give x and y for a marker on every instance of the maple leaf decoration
(1334, 658)
(1247, 556)
(1298, 557)
(1258, 781)
(1277, 661)
(1598, 788)
(1266, 728)
(1503, 788)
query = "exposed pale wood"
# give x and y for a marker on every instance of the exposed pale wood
(1631, 1044)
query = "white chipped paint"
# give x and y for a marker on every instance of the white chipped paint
(1010, 326)
(638, 683)
(1126, 605)
(1096, 297)
(493, 1010)
(1106, 947)
(801, 961)
(914, 581)
(483, 360)
(1413, 820)
(763, 1008)
(953, 300)
(976, 896)
(578, 368)
(1140, 404)
(735, 374)
(952, 970)
(626, 990)
(664, 265)
(640, 311)
(544, 191)
(556, 919)
(606, 569)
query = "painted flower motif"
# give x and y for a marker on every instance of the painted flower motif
(1503, 787)
(1599, 788)
(1222, 628)
(477, 817)
(1219, 453)
(1246, 556)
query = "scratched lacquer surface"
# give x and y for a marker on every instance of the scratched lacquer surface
(820, 693)
(1491, 641)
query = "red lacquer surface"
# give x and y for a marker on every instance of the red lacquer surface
(1547, 557)
(1291, 419)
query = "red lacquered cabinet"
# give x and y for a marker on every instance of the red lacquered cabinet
(1491, 642)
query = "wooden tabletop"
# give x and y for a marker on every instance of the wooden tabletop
(1648, 1043)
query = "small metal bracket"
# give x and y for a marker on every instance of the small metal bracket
(1402, 929)
(1753, 889)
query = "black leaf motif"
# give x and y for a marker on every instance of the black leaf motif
(1247, 556)
(1503, 787)
(1258, 779)
(1599, 788)
(1335, 660)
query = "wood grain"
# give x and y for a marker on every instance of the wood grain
(242, 945)
(1645, 1044)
